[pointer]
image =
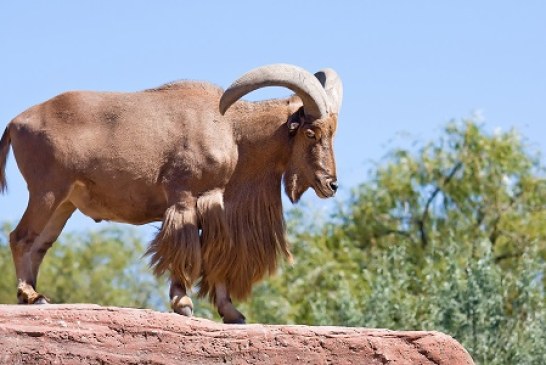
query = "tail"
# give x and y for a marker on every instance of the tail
(4, 149)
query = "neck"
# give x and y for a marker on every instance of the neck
(262, 136)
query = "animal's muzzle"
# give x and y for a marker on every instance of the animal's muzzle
(326, 187)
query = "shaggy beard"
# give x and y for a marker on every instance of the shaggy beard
(294, 185)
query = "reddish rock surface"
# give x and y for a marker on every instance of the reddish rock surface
(91, 334)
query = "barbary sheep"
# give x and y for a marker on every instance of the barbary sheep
(206, 164)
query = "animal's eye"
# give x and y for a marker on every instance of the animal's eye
(309, 133)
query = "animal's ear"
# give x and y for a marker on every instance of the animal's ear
(293, 127)
(295, 121)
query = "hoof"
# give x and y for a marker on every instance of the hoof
(184, 311)
(182, 306)
(241, 320)
(230, 315)
(41, 300)
(27, 295)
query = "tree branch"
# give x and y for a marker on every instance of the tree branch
(421, 222)
(508, 255)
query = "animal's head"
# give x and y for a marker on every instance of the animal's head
(311, 128)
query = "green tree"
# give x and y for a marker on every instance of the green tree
(104, 267)
(449, 237)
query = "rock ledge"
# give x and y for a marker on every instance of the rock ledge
(91, 334)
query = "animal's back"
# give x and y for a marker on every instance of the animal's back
(132, 131)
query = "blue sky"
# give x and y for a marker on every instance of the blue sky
(407, 67)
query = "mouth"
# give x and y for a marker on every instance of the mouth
(323, 188)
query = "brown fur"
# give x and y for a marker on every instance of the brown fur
(176, 248)
(248, 249)
(168, 154)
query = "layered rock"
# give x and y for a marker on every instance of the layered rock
(91, 334)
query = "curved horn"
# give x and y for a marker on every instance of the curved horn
(303, 83)
(331, 82)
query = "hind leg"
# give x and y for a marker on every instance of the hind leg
(40, 226)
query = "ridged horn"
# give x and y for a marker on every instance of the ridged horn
(303, 83)
(331, 82)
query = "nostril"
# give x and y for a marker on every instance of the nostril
(333, 185)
